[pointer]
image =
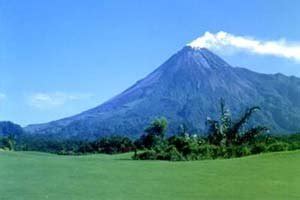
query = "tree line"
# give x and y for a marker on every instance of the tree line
(226, 138)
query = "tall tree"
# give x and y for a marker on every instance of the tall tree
(155, 133)
(227, 132)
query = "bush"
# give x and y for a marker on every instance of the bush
(230, 152)
(179, 142)
(259, 148)
(173, 154)
(278, 146)
(147, 155)
(208, 151)
(190, 148)
(294, 146)
(243, 151)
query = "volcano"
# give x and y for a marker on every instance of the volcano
(186, 89)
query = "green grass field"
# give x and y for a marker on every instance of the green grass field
(37, 176)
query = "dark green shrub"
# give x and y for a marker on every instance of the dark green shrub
(222, 151)
(180, 142)
(193, 156)
(243, 151)
(294, 146)
(258, 148)
(161, 156)
(173, 154)
(190, 148)
(216, 151)
(147, 155)
(278, 146)
(208, 151)
(231, 152)
(112, 145)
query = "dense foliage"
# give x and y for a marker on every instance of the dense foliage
(109, 145)
(182, 146)
(226, 132)
(193, 147)
(227, 138)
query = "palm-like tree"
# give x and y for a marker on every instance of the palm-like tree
(226, 132)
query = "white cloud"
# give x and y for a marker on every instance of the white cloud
(226, 41)
(52, 100)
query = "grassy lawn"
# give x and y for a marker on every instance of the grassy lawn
(30, 176)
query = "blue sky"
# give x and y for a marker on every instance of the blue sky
(60, 57)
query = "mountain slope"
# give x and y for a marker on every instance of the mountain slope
(187, 89)
(8, 128)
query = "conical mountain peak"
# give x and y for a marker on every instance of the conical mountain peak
(202, 57)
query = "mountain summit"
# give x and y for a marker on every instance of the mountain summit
(186, 89)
